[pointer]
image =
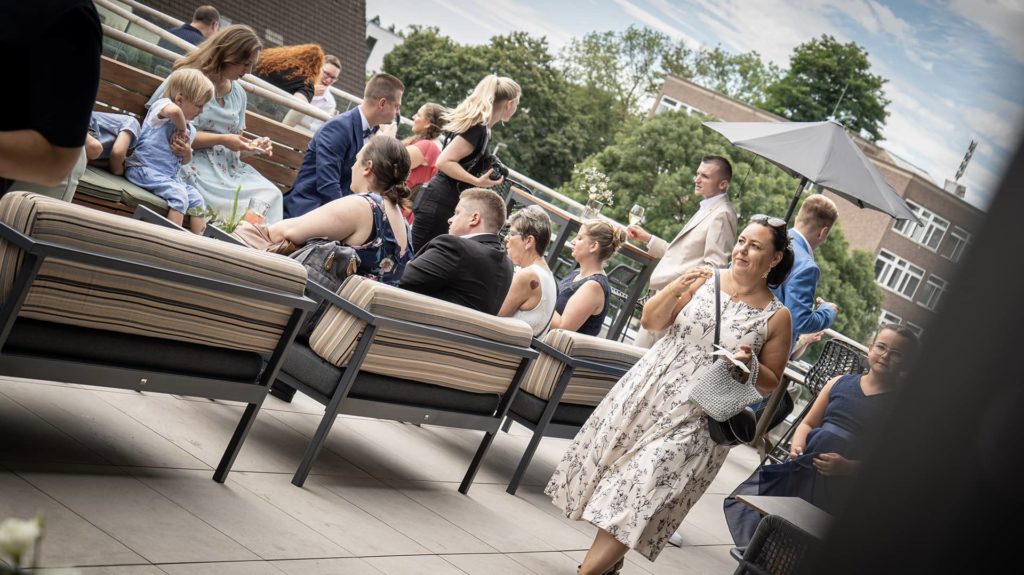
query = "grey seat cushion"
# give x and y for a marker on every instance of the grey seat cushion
(305, 365)
(532, 407)
(73, 343)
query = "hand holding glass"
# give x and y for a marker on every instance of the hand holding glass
(636, 215)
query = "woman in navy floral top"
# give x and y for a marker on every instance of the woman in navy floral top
(370, 220)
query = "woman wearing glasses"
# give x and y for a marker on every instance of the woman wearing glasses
(828, 444)
(645, 456)
(532, 295)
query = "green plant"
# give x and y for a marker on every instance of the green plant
(215, 218)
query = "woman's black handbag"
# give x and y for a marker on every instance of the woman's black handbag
(739, 428)
(328, 263)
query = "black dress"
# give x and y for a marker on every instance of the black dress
(436, 201)
(568, 286)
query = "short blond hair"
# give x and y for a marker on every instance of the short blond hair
(817, 212)
(489, 204)
(190, 84)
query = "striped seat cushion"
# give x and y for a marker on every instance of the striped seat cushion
(587, 386)
(417, 357)
(89, 296)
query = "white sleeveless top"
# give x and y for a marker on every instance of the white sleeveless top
(539, 317)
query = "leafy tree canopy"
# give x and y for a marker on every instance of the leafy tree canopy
(827, 78)
(653, 164)
(558, 123)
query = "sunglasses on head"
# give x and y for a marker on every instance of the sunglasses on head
(767, 220)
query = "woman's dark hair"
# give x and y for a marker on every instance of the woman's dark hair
(432, 113)
(780, 241)
(391, 164)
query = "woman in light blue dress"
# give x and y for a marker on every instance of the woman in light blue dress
(217, 168)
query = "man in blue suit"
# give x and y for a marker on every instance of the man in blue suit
(814, 222)
(326, 171)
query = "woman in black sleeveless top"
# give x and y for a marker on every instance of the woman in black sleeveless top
(465, 161)
(583, 295)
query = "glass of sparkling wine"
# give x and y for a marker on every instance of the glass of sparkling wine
(636, 215)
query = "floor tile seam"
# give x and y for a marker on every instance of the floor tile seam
(399, 528)
(453, 483)
(186, 510)
(155, 431)
(325, 447)
(300, 521)
(80, 516)
(59, 430)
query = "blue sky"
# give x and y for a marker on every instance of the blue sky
(955, 67)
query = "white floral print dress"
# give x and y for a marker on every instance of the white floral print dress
(644, 457)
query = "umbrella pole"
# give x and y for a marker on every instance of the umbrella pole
(796, 199)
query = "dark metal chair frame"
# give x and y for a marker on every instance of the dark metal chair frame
(35, 252)
(778, 547)
(543, 427)
(339, 401)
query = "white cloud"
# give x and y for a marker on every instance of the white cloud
(1004, 19)
(656, 23)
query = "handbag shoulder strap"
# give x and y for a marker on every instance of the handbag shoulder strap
(718, 308)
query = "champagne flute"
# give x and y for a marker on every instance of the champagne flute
(636, 215)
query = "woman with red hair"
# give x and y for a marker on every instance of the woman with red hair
(294, 69)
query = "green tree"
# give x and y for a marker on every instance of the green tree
(745, 77)
(827, 78)
(653, 164)
(627, 64)
(558, 123)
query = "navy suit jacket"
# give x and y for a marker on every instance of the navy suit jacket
(326, 172)
(474, 272)
(797, 292)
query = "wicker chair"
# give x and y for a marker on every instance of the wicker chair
(838, 358)
(777, 548)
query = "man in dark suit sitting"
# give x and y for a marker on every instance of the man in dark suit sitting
(326, 171)
(468, 265)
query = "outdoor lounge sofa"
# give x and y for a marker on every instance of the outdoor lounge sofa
(93, 298)
(388, 353)
(562, 388)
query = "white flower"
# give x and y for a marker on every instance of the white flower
(17, 536)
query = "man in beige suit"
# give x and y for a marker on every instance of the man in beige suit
(707, 238)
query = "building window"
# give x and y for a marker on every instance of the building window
(888, 317)
(897, 274)
(918, 330)
(929, 232)
(668, 105)
(933, 290)
(956, 244)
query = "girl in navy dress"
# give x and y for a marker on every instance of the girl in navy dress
(829, 443)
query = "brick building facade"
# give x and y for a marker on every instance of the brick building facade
(339, 26)
(913, 263)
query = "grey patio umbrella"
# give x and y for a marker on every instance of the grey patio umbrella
(822, 153)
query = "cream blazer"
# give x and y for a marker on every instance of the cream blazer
(707, 238)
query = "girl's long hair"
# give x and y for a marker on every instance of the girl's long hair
(232, 45)
(302, 61)
(478, 106)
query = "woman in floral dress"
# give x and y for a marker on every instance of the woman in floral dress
(645, 457)
(217, 169)
(369, 220)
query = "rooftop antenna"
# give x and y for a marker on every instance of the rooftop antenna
(966, 160)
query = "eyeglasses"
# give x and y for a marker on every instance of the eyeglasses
(887, 351)
(767, 220)
(513, 233)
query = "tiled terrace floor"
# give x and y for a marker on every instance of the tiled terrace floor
(124, 481)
